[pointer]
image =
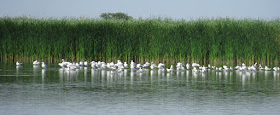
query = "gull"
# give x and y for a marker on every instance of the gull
(18, 64)
(44, 65)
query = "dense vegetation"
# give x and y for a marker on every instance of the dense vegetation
(204, 40)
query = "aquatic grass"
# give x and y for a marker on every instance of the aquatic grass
(159, 40)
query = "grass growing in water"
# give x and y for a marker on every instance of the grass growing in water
(159, 40)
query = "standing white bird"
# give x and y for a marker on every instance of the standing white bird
(44, 65)
(132, 65)
(188, 66)
(170, 70)
(125, 65)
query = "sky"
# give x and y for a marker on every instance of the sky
(175, 9)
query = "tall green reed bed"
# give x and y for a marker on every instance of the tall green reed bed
(158, 40)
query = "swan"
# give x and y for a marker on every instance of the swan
(44, 65)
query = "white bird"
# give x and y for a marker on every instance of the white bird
(81, 63)
(260, 67)
(266, 68)
(44, 65)
(64, 63)
(220, 69)
(132, 65)
(209, 65)
(147, 64)
(139, 66)
(276, 68)
(103, 66)
(71, 66)
(18, 64)
(125, 65)
(36, 63)
(243, 65)
(94, 65)
(236, 67)
(203, 69)
(252, 68)
(195, 65)
(226, 68)
(153, 66)
(86, 63)
(170, 70)
(77, 64)
(214, 67)
(161, 66)
(188, 66)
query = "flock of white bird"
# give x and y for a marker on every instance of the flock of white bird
(120, 66)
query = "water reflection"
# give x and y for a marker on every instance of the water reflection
(85, 74)
(18, 70)
(100, 90)
(43, 76)
(61, 75)
(133, 78)
(71, 75)
(132, 74)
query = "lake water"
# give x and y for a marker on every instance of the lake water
(33, 90)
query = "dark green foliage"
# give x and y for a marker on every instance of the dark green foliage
(118, 16)
(204, 41)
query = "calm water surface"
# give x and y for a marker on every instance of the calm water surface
(33, 90)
